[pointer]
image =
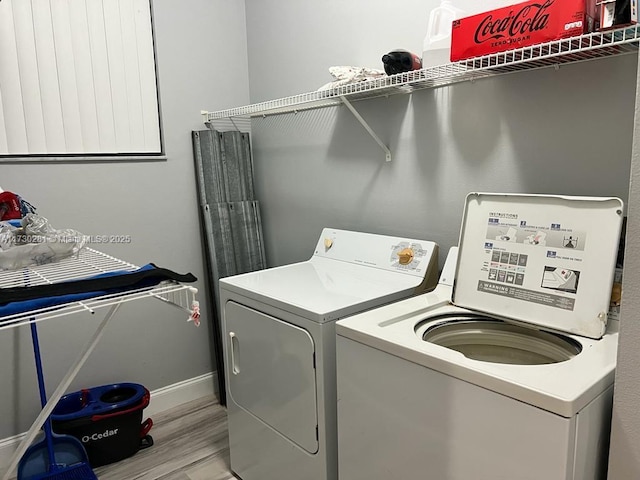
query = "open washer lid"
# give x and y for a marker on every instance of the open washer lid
(540, 259)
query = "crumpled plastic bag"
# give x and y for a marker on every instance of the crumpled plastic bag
(345, 75)
(36, 242)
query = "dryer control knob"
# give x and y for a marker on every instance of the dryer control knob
(328, 243)
(405, 256)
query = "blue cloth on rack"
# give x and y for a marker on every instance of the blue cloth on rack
(141, 280)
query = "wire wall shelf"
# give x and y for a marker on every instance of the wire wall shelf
(570, 50)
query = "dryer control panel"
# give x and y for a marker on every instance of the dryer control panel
(405, 255)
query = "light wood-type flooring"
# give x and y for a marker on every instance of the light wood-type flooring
(190, 443)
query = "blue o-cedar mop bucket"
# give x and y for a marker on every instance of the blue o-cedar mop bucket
(107, 420)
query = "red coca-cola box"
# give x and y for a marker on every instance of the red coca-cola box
(521, 25)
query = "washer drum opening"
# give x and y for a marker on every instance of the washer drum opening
(490, 340)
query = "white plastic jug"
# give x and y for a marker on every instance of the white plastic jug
(437, 44)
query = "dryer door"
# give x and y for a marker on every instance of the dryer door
(271, 373)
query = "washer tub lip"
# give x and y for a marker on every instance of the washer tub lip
(459, 331)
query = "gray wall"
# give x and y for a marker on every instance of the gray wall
(625, 429)
(568, 131)
(202, 63)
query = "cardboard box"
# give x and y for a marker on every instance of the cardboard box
(521, 25)
(617, 13)
(607, 13)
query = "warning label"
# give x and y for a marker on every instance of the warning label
(525, 295)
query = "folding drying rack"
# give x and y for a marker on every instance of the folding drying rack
(88, 263)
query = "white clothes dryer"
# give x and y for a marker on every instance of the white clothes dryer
(279, 347)
(499, 373)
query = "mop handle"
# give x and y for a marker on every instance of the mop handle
(48, 434)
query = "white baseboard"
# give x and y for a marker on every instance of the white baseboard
(161, 399)
(182, 392)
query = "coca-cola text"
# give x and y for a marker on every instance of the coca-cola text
(531, 18)
(520, 25)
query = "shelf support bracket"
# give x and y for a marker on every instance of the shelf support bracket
(366, 126)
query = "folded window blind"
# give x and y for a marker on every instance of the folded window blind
(77, 77)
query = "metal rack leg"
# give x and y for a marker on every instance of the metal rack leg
(62, 388)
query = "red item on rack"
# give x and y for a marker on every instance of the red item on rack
(9, 206)
(521, 25)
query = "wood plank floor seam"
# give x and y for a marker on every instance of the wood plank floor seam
(190, 443)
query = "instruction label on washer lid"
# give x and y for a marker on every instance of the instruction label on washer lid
(545, 260)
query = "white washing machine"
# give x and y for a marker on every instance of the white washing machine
(279, 346)
(499, 373)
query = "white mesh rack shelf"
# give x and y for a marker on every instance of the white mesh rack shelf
(88, 263)
(558, 52)
(552, 54)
